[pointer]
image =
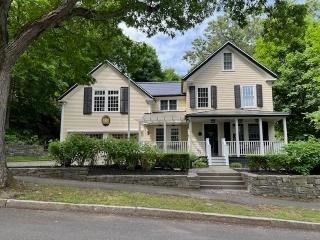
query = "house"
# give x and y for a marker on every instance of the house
(222, 109)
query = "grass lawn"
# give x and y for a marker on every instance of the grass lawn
(28, 158)
(107, 197)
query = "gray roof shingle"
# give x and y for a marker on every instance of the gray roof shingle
(161, 88)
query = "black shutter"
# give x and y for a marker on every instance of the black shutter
(237, 96)
(259, 96)
(265, 130)
(226, 127)
(214, 97)
(124, 100)
(192, 91)
(87, 100)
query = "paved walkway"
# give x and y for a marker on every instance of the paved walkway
(32, 164)
(242, 197)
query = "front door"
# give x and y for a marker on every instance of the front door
(211, 132)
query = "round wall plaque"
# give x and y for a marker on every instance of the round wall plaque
(105, 120)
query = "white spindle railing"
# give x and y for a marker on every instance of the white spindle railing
(208, 151)
(170, 146)
(225, 150)
(253, 147)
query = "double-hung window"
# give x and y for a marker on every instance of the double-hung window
(106, 101)
(168, 105)
(227, 61)
(174, 132)
(248, 96)
(203, 97)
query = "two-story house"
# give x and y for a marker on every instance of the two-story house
(223, 108)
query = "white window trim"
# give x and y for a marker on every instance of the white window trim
(255, 96)
(168, 108)
(106, 100)
(168, 132)
(232, 59)
(209, 97)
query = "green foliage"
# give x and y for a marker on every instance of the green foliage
(24, 137)
(235, 165)
(278, 162)
(149, 156)
(174, 160)
(221, 30)
(60, 153)
(257, 162)
(169, 74)
(200, 163)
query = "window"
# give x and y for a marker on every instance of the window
(106, 101)
(168, 105)
(203, 97)
(99, 101)
(174, 134)
(253, 131)
(227, 61)
(159, 135)
(124, 136)
(95, 135)
(248, 96)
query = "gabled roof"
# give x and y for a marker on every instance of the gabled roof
(95, 69)
(240, 51)
(158, 89)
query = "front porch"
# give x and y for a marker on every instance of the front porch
(215, 137)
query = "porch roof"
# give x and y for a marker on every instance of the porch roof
(169, 117)
(237, 113)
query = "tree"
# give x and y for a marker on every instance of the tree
(169, 74)
(150, 16)
(221, 30)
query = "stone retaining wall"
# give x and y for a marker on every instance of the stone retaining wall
(24, 150)
(295, 186)
(53, 172)
(182, 181)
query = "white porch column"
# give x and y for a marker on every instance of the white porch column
(189, 135)
(139, 135)
(261, 137)
(165, 135)
(62, 123)
(237, 137)
(285, 133)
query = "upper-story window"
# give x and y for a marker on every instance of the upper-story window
(203, 97)
(106, 101)
(227, 61)
(168, 105)
(248, 96)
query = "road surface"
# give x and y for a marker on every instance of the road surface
(44, 225)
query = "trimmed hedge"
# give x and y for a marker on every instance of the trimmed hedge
(300, 157)
(79, 149)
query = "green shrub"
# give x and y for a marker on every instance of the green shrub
(303, 156)
(57, 151)
(235, 165)
(149, 156)
(277, 162)
(257, 162)
(200, 163)
(174, 160)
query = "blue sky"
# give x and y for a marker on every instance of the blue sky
(170, 50)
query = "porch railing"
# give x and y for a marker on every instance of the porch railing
(170, 146)
(253, 147)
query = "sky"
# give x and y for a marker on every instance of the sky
(170, 50)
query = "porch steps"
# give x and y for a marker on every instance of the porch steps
(221, 180)
(218, 161)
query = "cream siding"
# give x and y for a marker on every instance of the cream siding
(106, 78)
(181, 103)
(244, 72)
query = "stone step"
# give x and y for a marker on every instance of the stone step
(224, 187)
(221, 178)
(221, 182)
(208, 174)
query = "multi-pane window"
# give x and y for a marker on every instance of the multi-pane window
(168, 105)
(203, 97)
(174, 134)
(99, 101)
(227, 61)
(124, 136)
(106, 101)
(113, 101)
(248, 96)
(159, 135)
(253, 132)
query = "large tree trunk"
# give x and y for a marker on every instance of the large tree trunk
(4, 93)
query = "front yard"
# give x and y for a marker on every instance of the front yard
(29, 158)
(120, 198)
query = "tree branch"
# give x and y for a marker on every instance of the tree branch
(4, 9)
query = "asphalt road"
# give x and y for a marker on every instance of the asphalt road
(35, 225)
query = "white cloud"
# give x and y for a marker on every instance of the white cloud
(170, 50)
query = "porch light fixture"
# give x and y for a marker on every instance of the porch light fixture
(199, 134)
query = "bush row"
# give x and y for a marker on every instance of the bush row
(300, 157)
(79, 149)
